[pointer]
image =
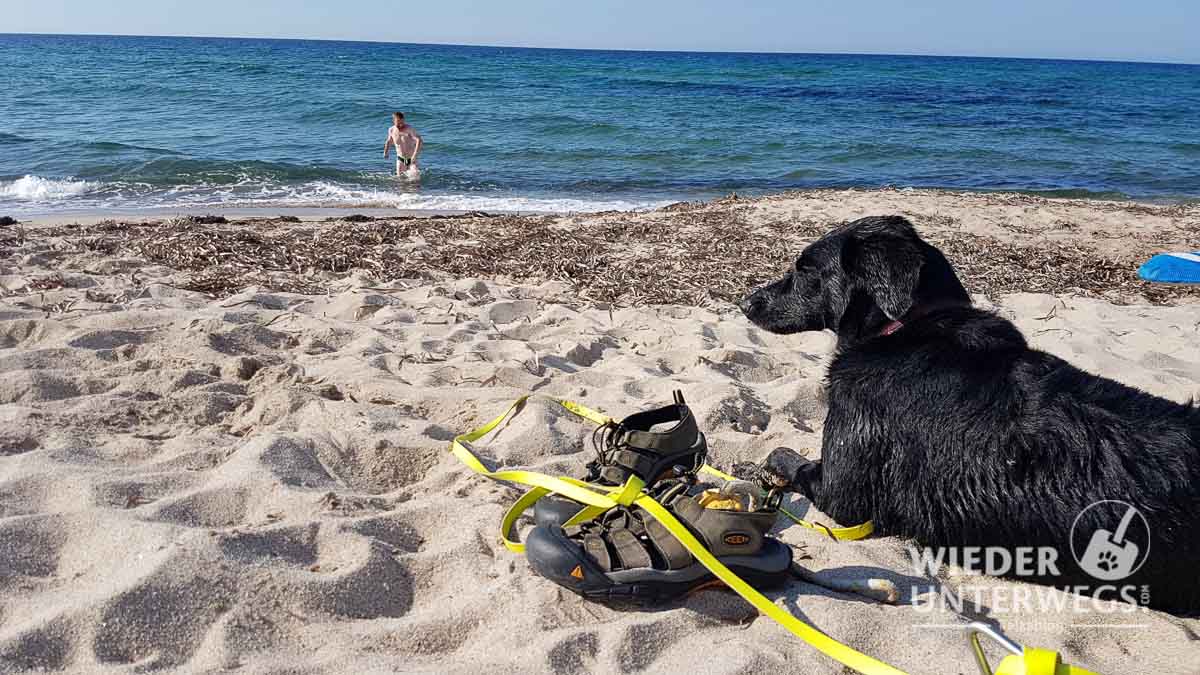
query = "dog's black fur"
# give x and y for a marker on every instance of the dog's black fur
(953, 432)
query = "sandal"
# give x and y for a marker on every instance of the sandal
(630, 448)
(626, 554)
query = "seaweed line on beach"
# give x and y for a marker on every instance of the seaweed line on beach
(683, 254)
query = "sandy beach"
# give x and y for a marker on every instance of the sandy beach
(223, 445)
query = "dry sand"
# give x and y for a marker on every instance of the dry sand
(257, 480)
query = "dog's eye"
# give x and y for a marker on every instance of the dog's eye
(805, 284)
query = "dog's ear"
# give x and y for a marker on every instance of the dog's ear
(886, 264)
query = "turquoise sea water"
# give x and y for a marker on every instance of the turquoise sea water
(94, 123)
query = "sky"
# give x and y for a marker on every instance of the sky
(1141, 30)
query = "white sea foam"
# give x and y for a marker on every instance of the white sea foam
(38, 189)
(460, 202)
(323, 194)
(548, 205)
(36, 194)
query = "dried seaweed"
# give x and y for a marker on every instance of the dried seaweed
(690, 255)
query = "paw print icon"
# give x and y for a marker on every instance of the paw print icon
(1110, 555)
(1107, 560)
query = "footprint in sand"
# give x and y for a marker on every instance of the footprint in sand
(47, 647)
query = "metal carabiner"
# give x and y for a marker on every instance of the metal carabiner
(974, 630)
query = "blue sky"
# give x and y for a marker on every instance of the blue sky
(1145, 30)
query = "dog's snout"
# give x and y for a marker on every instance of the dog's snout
(750, 304)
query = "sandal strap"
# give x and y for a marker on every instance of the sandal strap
(650, 455)
(631, 554)
(613, 542)
(623, 538)
(668, 546)
(677, 439)
(625, 462)
(594, 546)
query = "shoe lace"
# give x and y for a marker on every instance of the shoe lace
(605, 441)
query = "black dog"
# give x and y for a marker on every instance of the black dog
(945, 427)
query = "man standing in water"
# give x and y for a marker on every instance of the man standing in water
(408, 146)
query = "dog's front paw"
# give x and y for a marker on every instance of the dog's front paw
(787, 469)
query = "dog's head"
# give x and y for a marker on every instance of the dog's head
(855, 280)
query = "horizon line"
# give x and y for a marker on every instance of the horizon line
(609, 49)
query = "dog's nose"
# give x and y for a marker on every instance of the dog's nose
(748, 304)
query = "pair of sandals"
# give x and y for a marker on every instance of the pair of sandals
(625, 554)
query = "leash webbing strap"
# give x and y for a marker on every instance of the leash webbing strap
(626, 497)
(847, 656)
(542, 484)
(599, 499)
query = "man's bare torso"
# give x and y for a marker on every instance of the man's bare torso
(405, 140)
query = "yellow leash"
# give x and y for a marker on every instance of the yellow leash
(597, 499)
(594, 500)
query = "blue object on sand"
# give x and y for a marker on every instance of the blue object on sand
(1172, 268)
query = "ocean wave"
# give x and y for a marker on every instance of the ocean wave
(320, 194)
(113, 145)
(1186, 148)
(534, 204)
(13, 139)
(38, 189)
(173, 169)
(716, 88)
(562, 125)
(34, 194)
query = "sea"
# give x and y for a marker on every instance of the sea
(103, 124)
